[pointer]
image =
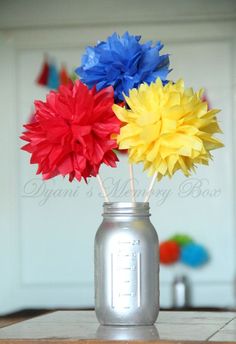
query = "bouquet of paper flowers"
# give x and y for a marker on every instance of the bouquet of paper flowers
(123, 100)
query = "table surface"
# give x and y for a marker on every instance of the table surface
(82, 326)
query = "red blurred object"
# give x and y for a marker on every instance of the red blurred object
(44, 73)
(169, 252)
(71, 132)
(64, 76)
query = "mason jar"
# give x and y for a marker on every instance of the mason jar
(126, 266)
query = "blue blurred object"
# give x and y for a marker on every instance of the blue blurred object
(53, 77)
(194, 255)
(124, 63)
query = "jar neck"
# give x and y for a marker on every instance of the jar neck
(123, 209)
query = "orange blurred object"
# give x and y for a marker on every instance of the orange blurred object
(64, 76)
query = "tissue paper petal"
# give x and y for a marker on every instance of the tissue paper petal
(72, 132)
(124, 63)
(167, 128)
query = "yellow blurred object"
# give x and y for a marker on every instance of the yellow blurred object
(167, 128)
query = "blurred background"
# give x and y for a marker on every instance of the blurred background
(47, 229)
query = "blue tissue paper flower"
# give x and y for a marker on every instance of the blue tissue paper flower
(194, 255)
(124, 63)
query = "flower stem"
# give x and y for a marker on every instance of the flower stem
(131, 175)
(102, 188)
(149, 191)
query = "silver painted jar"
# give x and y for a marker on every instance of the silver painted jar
(126, 266)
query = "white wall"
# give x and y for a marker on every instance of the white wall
(60, 13)
(46, 257)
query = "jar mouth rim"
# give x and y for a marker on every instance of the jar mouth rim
(127, 204)
(135, 208)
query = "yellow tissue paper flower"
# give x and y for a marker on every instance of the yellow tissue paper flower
(167, 128)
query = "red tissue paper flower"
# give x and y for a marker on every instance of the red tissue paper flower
(72, 132)
(169, 252)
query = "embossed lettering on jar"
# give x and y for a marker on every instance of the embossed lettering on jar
(126, 266)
